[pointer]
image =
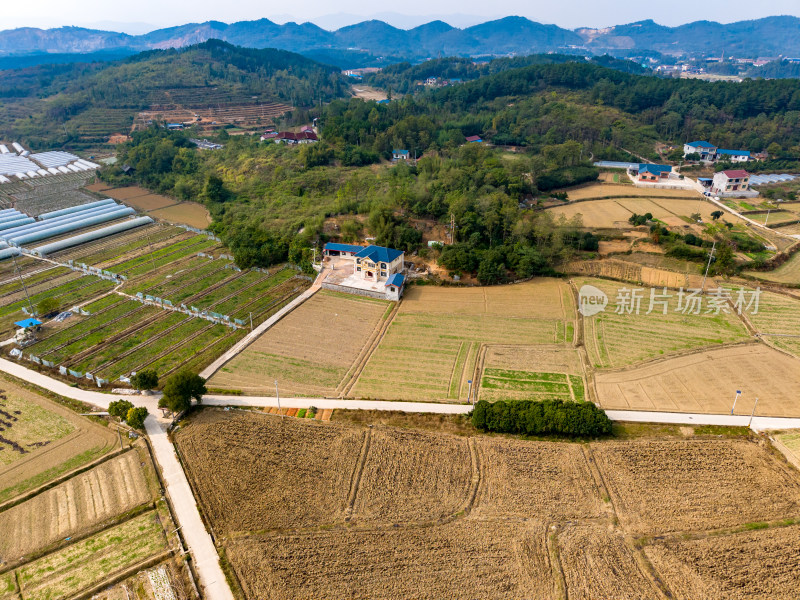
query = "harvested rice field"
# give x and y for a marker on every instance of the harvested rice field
(607, 190)
(615, 213)
(312, 351)
(672, 486)
(706, 382)
(432, 346)
(751, 564)
(788, 272)
(625, 334)
(342, 510)
(41, 440)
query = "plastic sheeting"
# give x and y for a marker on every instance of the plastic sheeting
(91, 236)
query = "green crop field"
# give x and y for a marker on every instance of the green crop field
(616, 340)
(66, 572)
(8, 586)
(430, 356)
(507, 384)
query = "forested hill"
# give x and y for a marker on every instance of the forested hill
(39, 104)
(404, 77)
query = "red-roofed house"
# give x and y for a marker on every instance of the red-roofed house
(288, 137)
(474, 139)
(730, 182)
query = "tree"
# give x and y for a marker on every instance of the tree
(136, 416)
(214, 189)
(180, 389)
(47, 306)
(716, 214)
(145, 380)
(120, 409)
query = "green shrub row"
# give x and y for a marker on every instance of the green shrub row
(542, 417)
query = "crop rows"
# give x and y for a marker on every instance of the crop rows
(505, 384)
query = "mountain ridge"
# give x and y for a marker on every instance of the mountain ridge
(769, 36)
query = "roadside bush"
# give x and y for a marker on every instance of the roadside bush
(542, 417)
(136, 416)
(119, 408)
(145, 380)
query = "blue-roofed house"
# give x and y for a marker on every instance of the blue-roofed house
(394, 286)
(651, 173)
(334, 249)
(400, 154)
(367, 270)
(706, 150)
(733, 155)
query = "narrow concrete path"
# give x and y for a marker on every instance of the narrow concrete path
(248, 339)
(204, 553)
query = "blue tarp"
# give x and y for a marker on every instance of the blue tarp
(28, 323)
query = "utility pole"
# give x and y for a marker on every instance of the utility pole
(752, 413)
(767, 219)
(25, 287)
(251, 321)
(452, 228)
(738, 393)
(708, 266)
(469, 393)
(279, 398)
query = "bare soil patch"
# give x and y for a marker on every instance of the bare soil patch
(151, 202)
(606, 190)
(186, 213)
(670, 486)
(126, 193)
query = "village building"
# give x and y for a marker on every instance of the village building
(704, 149)
(289, 137)
(400, 154)
(731, 183)
(474, 139)
(652, 173)
(733, 155)
(374, 271)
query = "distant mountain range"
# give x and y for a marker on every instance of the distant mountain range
(771, 36)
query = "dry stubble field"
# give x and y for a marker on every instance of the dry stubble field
(398, 513)
(310, 351)
(706, 382)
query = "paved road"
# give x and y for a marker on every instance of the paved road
(206, 559)
(246, 340)
(322, 403)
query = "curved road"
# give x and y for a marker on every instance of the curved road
(199, 542)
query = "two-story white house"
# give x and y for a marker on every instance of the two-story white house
(704, 149)
(730, 182)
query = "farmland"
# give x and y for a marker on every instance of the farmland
(617, 340)
(787, 273)
(610, 190)
(455, 326)
(396, 513)
(313, 351)
(752, 564)
(778, 321)
(75, 506)
(42, 440)
(80, 566)
(706, 382)
(615, 213)
(127, 329)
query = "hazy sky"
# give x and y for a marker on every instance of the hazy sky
(143, 15)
